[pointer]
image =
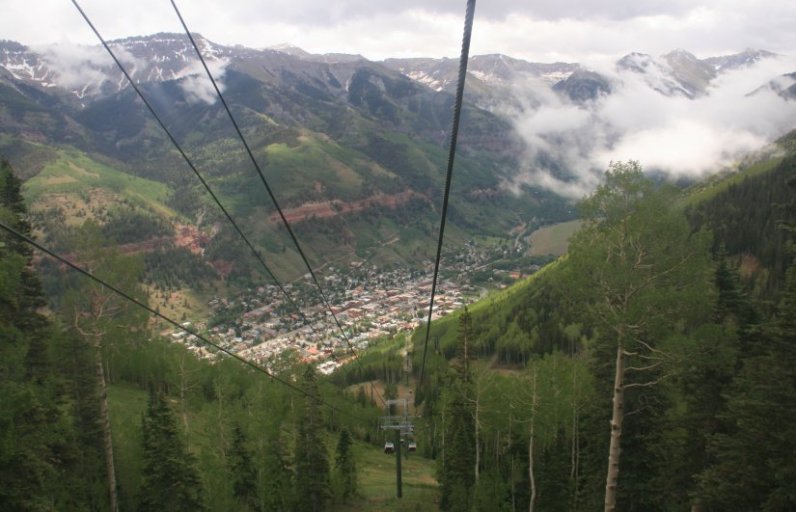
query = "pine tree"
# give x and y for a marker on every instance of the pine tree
(277, 477)
(29, 292)
(244, 476)
(457, 475)
(311, 459)
(464, 346)
(754, 468)
(170, 478)
(36, 433)
(345, 467)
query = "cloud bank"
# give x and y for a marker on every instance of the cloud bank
(542, 31)
(83, 68)
(195, 84)
(569, 147)
(86, 70)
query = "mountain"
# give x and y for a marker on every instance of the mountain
(738, 60)
(582, 86)
(354, 150)
(490, 77)
(680, 73)
(676, 73)
(343, 140)
(784, 86)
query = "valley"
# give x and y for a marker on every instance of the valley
(616, 277)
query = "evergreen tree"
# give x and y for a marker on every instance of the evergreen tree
(345, 467)
(754, 468)
(464, 346)
(244, 476)
(311, 459)
(36, 433)
(29, 292)
(277, 477)
(170, 479)
(457, 475)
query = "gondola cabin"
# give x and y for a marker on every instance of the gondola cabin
(389, 447)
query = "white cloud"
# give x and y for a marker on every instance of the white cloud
(675, 135)
(82, 67)
(585, 30)
(197, 86)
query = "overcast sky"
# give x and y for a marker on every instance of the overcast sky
(539, 30)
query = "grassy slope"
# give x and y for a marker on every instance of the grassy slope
(376, 469)
(447, 327)
(377, 483)
(75, 175)
(553, 239)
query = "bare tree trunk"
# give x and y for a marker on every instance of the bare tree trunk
(185, 386)
(617, 417)
(443, 437)
(574, 472)
(105, 423)
(513, 500)
(531, 477)
(497, 447)
(183, 412)
(477, 445)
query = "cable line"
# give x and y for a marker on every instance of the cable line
(153, 312)
(457, 110)
(193, 167)
(212, 194)
(267, 187)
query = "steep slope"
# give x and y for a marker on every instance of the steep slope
(342, 141)
(746, 211)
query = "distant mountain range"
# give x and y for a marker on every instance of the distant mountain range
(354, 150)
(676, 73)
(357, 137)
(165, 57)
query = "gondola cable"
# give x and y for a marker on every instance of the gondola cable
(212, 194)
(269, 190)
(190, 164)
(457, 109)
(163, 317)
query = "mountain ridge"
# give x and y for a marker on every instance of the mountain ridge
(687, 74)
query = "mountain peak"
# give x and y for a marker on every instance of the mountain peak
(636, 61)
(738, 60)
(7, 45)
(160, 37)
(680, 54)
(289, 49)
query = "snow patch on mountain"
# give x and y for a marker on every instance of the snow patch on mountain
(427, 80)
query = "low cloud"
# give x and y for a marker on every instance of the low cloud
(83, 68)
(569, 146)
(197, 86)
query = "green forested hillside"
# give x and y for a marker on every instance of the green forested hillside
(100, 414)
(643, 371)
(643, 297)
(359, 146)
(750, 219)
